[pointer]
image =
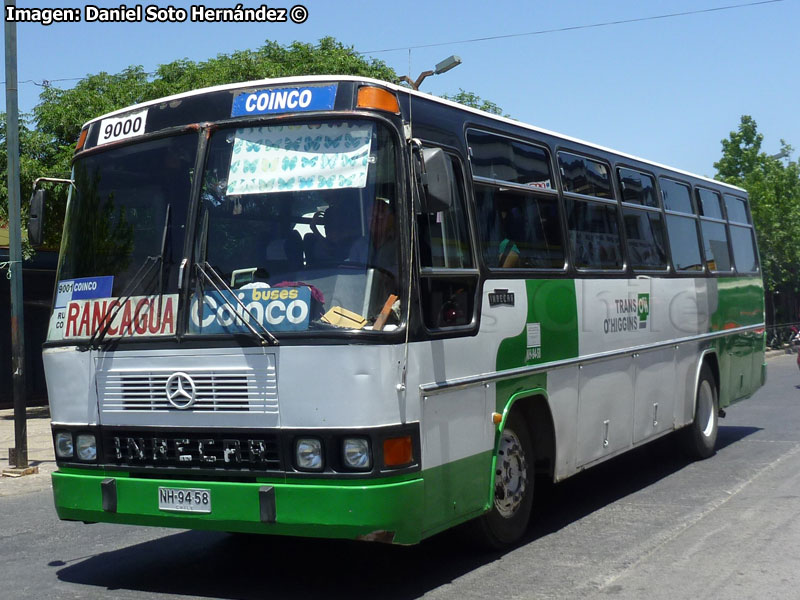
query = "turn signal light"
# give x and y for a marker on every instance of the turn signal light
(378, 99)
(397, 452)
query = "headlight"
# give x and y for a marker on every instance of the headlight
(357, 454)
(64, 448)
(86, 447)
(308, 454)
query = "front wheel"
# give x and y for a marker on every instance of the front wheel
(700, 438)
(507, 520)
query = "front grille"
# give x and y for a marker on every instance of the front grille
(230, 450)
(218, 390)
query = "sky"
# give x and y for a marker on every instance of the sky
(665, 89)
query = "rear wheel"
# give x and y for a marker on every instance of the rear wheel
(507, 520)
(700, 438)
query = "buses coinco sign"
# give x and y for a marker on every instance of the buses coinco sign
(281, 100)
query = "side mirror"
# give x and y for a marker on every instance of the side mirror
(36, 218)
(435, 173)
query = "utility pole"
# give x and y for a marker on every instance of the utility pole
(19, 457)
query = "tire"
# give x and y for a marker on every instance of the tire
(507, 520)
(700, 438)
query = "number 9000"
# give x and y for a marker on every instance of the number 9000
(123, 128)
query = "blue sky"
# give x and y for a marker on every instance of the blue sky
(666, 89)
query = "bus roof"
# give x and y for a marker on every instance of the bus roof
(399, 88)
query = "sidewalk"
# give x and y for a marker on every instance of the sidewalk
(40, 450)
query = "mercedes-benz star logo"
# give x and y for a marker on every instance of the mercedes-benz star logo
(181, 391)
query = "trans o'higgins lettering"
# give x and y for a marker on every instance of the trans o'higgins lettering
(627, 318)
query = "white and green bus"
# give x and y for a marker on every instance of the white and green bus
(335, 307)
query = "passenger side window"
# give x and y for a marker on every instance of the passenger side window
(448, 276)
(644, 223)
(519, 223)
(637, 188)
(500, 158)
(715, 244)
(582, 175)
(683, 243)
(594, 234)
(743, 239)
(744, 249)
(644, 231)
(682, 225)
(444, 237)
(593, 226)
(519, 230)
(676, 196)
(708, 204)
(715, 234)
(736, 209)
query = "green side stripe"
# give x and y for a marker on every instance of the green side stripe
(552, 303)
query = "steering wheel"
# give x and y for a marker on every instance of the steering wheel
(317, 220)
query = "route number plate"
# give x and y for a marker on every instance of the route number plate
(184, 500)
(120, 128)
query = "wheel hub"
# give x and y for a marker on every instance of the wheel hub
(511, 475)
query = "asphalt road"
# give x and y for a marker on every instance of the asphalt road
(646, 525)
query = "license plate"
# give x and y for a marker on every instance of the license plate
(184, 499)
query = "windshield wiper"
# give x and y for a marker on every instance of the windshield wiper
(141, 275)
(164, 238)
(209, 274)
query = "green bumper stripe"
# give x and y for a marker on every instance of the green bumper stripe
(302, 510)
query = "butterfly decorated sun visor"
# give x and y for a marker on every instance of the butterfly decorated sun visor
(287, 158)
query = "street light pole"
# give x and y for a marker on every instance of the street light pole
(451, 62)
(20, 454)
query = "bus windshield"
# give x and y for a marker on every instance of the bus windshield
(300, 222)
(297, 226)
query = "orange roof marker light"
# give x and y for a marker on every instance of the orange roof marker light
(378, 99)
(81, 139)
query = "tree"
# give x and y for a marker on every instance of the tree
(38, 158)
(774, 190)
(473, 100)
(61, 113)
(46, 149)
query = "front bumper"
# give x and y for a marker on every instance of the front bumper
(383, 511)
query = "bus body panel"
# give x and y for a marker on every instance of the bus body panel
(71, 391)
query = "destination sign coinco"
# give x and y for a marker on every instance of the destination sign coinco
(281, 100)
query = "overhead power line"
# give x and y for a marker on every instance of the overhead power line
(576, 27)
(48, 82)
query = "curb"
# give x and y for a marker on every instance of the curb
(779, 352)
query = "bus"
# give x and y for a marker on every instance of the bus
(336, 307)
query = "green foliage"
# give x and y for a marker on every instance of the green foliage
(774, 189)
(473, 100)
(38, 158)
